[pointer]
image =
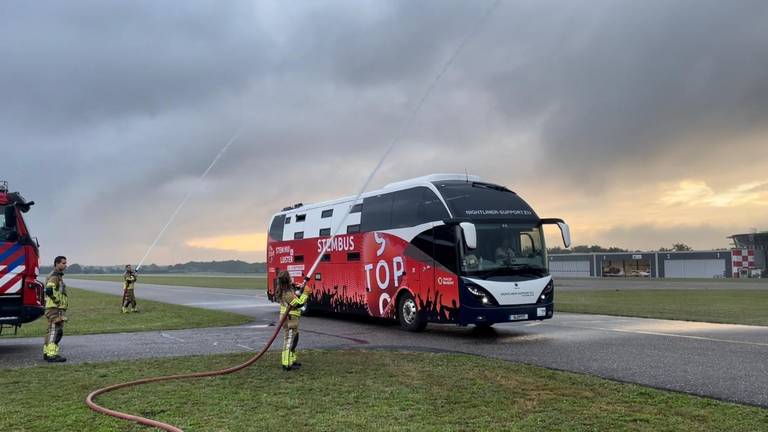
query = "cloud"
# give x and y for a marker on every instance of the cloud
(698, 193)
(251, 242)
(112, 110)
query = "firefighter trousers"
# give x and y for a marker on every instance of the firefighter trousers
(290, 340)
(129, 299)
(56, 319)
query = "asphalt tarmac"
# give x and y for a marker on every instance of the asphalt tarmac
(727, 362)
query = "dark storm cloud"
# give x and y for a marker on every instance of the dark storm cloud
(68, 64)
(113, 109)
(620, 81)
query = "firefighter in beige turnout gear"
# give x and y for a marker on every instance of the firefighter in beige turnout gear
(289, 295)
(129, 297)
(56, 303)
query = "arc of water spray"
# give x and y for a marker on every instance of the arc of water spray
(199, 182)
(404, 128)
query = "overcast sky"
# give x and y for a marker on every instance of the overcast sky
(642, 123)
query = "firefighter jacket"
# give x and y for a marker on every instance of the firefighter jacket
(129, 279)
(56, 291)
(289, 297)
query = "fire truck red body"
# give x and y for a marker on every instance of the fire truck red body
(21, 294)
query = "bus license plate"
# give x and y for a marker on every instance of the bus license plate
(518, 317)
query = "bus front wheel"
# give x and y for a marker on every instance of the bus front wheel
(409, 314)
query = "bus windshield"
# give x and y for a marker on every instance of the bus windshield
(506, 250)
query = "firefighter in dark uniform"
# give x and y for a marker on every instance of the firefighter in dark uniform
(129, 298)
(56, 303)
(296, 297)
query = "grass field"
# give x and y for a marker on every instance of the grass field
(721, 306)
(246, 282)
(358, 390)
(91, 312)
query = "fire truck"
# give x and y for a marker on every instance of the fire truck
(444, 248)
(21, 294)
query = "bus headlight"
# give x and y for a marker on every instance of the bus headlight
(548, 294)
(481, 295)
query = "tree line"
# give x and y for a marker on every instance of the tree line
(557, 250)
(231, 266)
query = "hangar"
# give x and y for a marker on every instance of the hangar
(689, 264)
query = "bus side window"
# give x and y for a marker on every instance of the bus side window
(527, 247)
(445, 247)
(430, 207)
(377, 213)
(405, 208)
(276, 229)
(416, 206)
(425, 242)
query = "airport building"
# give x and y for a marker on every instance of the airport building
(750, 254)
(747, 259)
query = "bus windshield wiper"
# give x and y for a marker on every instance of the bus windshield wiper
(537, 271)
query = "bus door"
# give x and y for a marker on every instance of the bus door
(438, 282)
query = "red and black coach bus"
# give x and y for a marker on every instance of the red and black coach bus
(21, 295)
(442, 248)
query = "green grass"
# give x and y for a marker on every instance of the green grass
(254, 282)
(358, 390)
(720, 306)
(91, 312)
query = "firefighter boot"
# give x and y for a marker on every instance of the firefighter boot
(134, 309)
(51, 353)
(124, 309)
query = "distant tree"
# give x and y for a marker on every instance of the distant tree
(75, 269)
(557, 250)
(596, 249)
(681, 247)
(616, 249)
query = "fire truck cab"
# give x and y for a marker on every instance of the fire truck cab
(21, 294)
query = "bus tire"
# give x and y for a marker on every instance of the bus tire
(483, 326)
(410, 317)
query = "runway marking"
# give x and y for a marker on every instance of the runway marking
(258, 326)
(650, 333)
(163, 334)
(246, 347)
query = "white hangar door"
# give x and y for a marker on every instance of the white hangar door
(569, 268)
(694, 268)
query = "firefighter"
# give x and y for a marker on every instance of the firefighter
(56, 303)
(129, 298)
(296, 297)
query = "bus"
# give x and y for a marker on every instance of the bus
(21, 294)
(443, 248)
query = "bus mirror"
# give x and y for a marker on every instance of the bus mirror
(470, 234)
(566, 231)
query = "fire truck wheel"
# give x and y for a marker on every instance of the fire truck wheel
(409, 315)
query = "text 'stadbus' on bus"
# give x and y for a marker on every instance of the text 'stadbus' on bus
(444, 248)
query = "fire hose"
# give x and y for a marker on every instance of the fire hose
(165, 426)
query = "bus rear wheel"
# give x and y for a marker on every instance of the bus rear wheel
(409, 314)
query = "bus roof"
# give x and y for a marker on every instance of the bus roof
(426, 181)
